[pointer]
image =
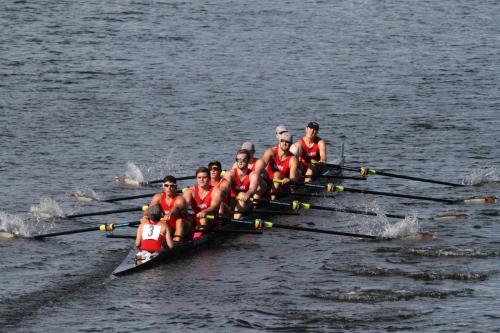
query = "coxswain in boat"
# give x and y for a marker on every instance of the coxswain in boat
(203, 198)
(281, 164)
(242, 183)
(174, 209)
(153, 234)
(222, 184)
(311, 148)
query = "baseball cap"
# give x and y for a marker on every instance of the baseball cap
(286, 136)
(248, 146)
(313, 125)
(216, 163)
(281, 128)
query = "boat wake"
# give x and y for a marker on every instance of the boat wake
(384, 295)
(452, 252)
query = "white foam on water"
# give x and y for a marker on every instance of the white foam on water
(134, 172)
(87, 192)
(16, 225)
(47, 208)
(480, 176)
(382, 226)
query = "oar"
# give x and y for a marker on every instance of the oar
(338, 188)
(106, 212)
(295, 205)
(258, 224)
(84, 198)
(337, 177)
(102, 227)
(369, 171)
(132, 182)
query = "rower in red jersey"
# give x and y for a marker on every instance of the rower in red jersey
(174, 209)
(281, 164)
(153, 235)
(203, 198)
(311, 148)
(243, 184)
(222, 184)
(257, 166)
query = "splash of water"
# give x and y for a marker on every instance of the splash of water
(86, 193)
(481, 176)
(134, 172)
(18, 226)
(47, 208)
(380, 224)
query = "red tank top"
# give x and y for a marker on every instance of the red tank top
(152, 239)
(309, 154)
(239, 185)
(168, 208)
(199, 204)
(283, 167)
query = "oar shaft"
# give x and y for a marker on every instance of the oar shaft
(161, 180)
(331, 232)
(102, 227)
(147, 195)
(66, 232)
(267, 224)
(105, 212)
(393, 175)
(353, 211)
(398, 195)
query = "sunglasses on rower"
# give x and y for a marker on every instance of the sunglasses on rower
(285, 141)
(169, 185)
(214, 168)
(241, 159)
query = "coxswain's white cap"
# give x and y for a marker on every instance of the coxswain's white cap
(286, 136)
(248, 146)
(281, 128)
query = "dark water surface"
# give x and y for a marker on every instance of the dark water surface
(166, 86)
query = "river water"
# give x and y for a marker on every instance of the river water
(91, 90)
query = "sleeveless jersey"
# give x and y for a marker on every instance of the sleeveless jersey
(239, 185)
(224, 198)
(277, 165)
(152, 239)
(168, 208)
(199, 204)
(309, 153)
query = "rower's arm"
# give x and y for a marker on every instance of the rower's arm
(259, 167)
(322, 150)
(188, 194)
(215, 204)
(294, 165)
(179, 207)
(138, 238)
(267, 156)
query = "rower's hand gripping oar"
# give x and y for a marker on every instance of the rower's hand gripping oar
(370, 171)
(103, 227)
(259, 224)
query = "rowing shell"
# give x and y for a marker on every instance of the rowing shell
(131, 265)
